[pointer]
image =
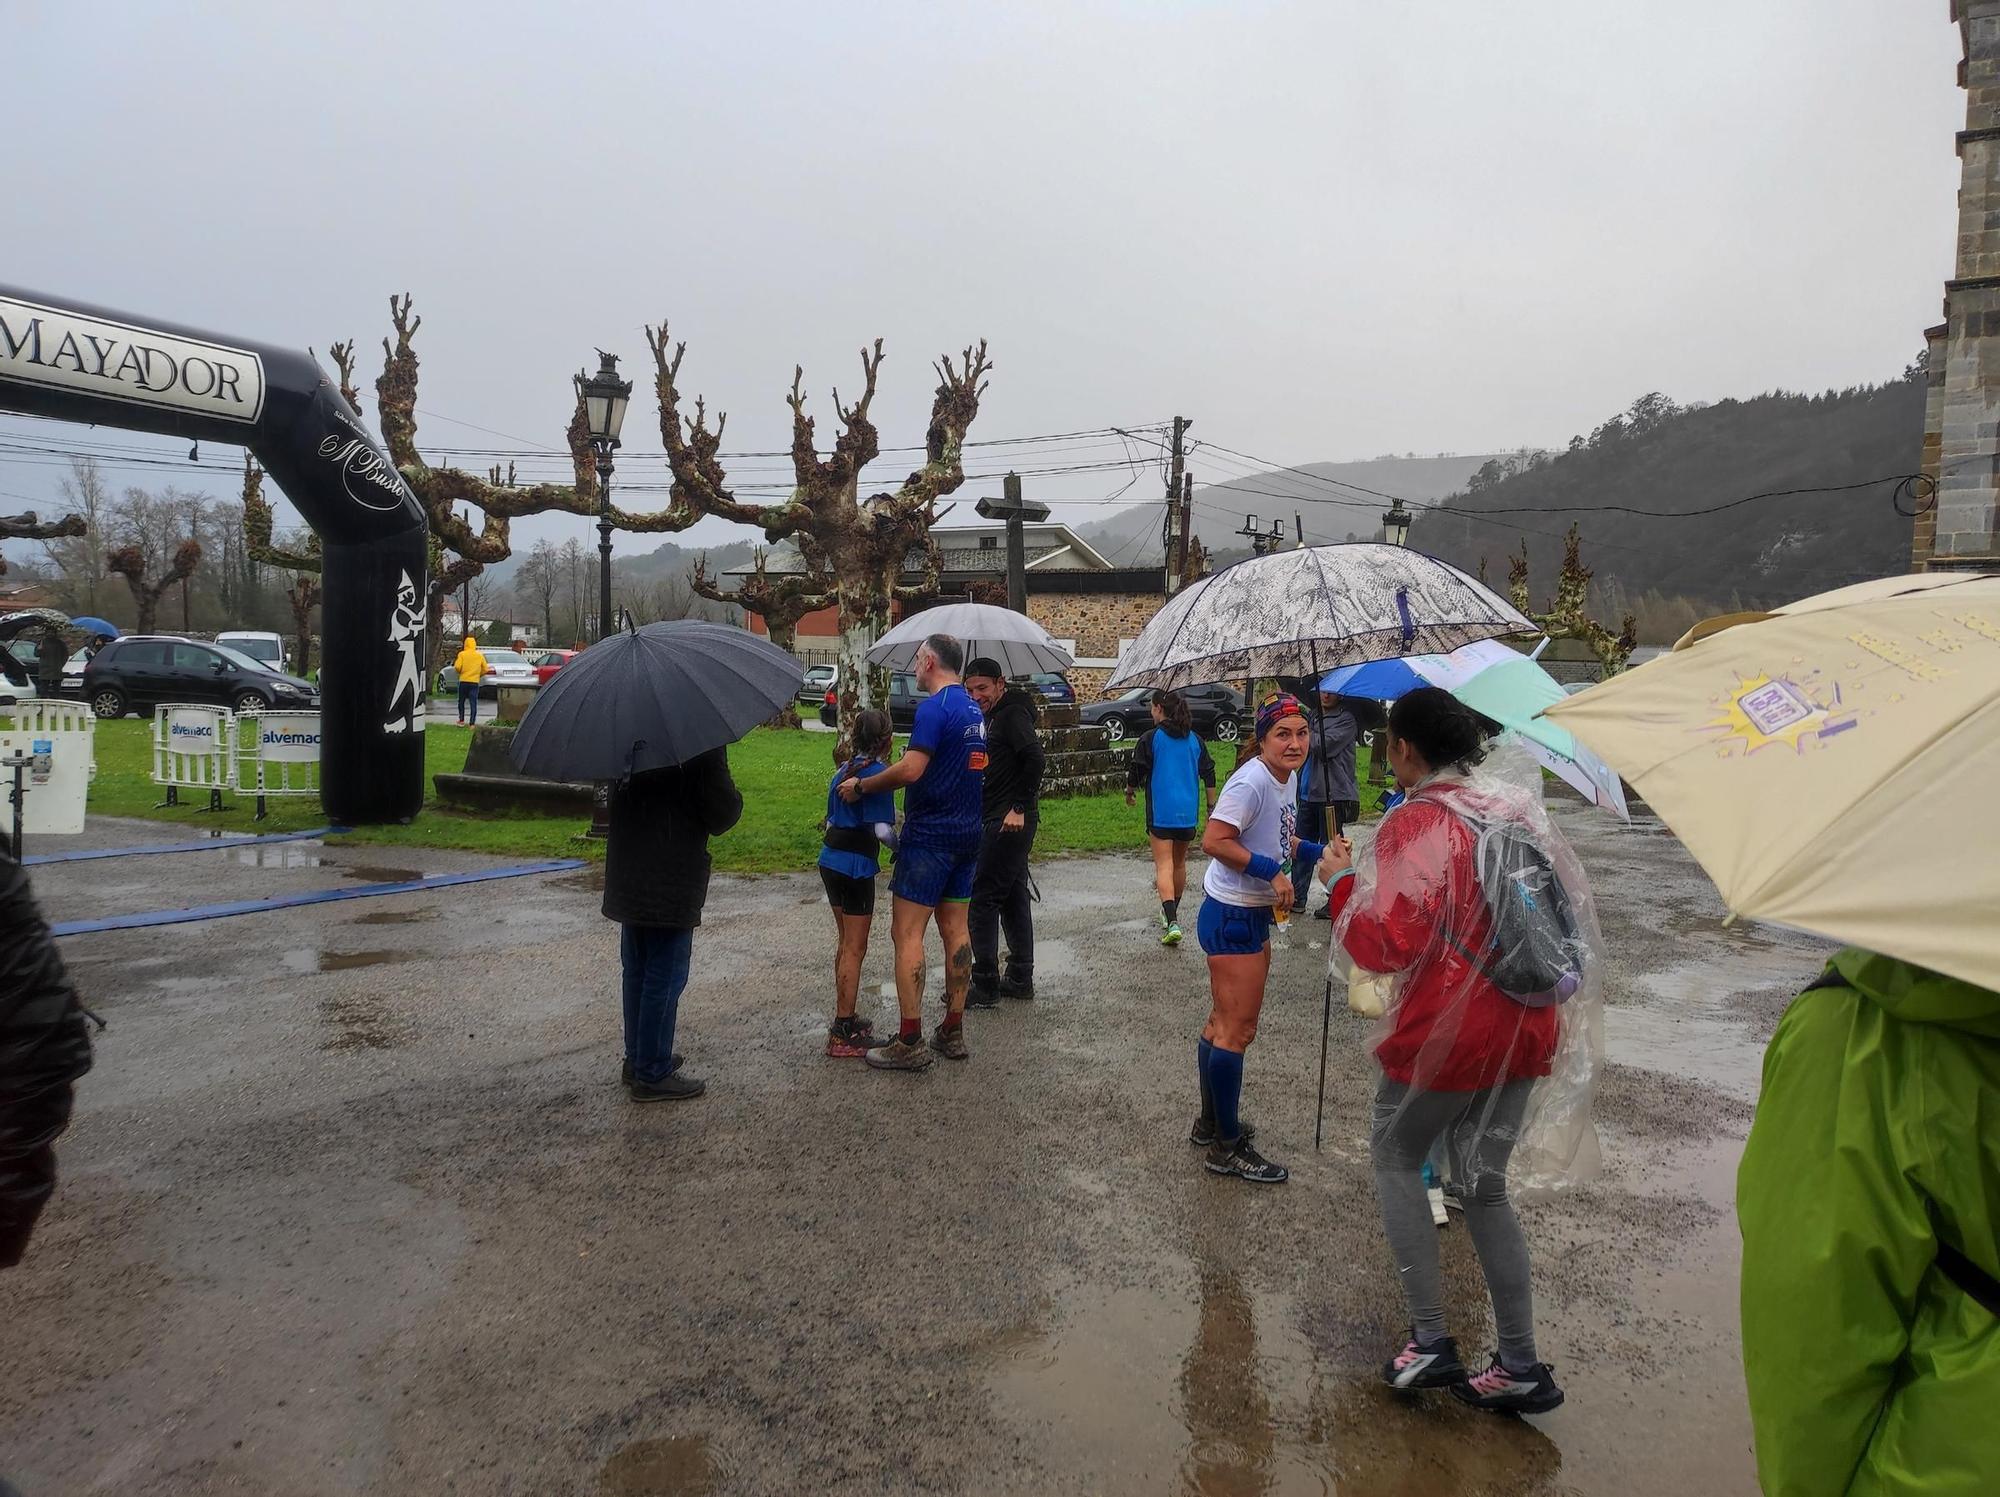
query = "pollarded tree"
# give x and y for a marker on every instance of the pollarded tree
(459, 550)
(129, 562)
(30, 527)
(1568, 618)
(862, 545)
(300, 560)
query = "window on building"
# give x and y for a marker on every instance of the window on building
(988, 542)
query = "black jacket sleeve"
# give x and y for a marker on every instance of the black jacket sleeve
(712, 795)
(43, 1049)
(1027, 746)
(1206, 766)
(1139, 763)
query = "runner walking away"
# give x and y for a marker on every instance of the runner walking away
(1494, 992)
(848, 863)
(44, 1049)
(1248, 841)
(471, 668)
(1871, 1237)
(1011, 809)
(1332, 800)
(942, 766)
(1171, 764)
(656, 867)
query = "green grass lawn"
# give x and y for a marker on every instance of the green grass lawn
(783, 776)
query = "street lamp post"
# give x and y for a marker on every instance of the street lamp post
(604, 397)
(1396, 524)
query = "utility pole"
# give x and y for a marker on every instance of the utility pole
(1188, 542)
(1175, 534)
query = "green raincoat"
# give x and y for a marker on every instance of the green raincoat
(1877, 1136)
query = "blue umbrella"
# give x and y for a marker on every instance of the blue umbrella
(1375, 680)
(648, 698)
(90, 625)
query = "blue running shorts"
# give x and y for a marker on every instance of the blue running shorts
(1232, 929)
(931, 876)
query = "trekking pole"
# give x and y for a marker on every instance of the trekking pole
(1325, 1028)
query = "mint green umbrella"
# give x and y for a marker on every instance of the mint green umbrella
(1513, 693)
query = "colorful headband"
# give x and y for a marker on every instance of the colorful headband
(1279, 704)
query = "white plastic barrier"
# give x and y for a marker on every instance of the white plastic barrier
(59, 741)
(277, 753)
(193, 749)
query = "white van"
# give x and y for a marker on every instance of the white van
(260, 645)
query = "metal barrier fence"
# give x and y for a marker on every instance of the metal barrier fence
(48, 752)
(276, 753)
(193, 749)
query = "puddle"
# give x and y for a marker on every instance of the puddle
(590, 879)
(369, 874)
(397, 917)
(679, 1467)
(1209, 1391)
(284, 855)
(305, 960)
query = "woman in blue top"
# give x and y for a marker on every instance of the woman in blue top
(848, 863)
(1171, 764)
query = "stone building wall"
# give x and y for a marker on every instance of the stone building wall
(1967, 513)
(1097, 622)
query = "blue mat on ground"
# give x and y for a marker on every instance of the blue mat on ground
(317, 896)
(207, 844)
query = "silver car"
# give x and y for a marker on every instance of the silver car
(503, 668)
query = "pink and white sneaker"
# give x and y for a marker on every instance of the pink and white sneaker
(1502, 1392)
(1417, 1365)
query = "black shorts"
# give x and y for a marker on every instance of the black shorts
(848, 895)
(1171, 833)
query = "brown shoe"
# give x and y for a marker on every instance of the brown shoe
(950, 1042)
(900, 1055)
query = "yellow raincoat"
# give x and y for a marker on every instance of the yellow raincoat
(470, 665)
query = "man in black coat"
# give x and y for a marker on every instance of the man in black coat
(43, 1050)
(1011, 808)
(656, 867)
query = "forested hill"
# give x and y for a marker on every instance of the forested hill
(1664, 457)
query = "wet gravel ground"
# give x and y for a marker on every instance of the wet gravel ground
(354, 1204)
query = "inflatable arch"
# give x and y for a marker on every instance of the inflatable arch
(80, 363)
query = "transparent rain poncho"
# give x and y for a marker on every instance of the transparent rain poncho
(1472, 922)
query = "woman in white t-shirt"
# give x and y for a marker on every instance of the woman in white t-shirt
(1249, 840)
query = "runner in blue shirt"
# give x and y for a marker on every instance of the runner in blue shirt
(943, 765)
(848, 863)
(1171, 764)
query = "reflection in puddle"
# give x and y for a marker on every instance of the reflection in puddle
(679, 1467)
(285, 855)
(369, 874)
(1209, 1391)
(305, 959)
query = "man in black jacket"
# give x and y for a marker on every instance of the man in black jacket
(656, 868)
(1011, 807)
(43, 1050)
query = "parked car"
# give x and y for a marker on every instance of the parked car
(259, 644)
(1217, 711)
(1053, 686)
(17, 683)
(903, 700)
(503, 668)
(548, 662)
(820, 679)
(140, 671)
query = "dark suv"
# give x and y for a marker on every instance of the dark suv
(139, 672)
(1217, 711)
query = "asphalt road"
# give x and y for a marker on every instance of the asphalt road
(353, 1203)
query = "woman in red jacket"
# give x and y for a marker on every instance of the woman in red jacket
(1460, 1058)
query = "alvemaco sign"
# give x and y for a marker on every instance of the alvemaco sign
(119, 361)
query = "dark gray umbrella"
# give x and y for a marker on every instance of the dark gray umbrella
(652, 697)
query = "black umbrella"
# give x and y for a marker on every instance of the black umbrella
(652, 697)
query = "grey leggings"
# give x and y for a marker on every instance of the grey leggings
(1479, 1129)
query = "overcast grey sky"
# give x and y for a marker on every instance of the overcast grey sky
(1322, 230)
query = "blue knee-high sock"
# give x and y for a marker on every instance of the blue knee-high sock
(1225, 1085)
(1202, 1051)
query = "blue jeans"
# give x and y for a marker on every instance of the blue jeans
(656, 959)
(468, 691)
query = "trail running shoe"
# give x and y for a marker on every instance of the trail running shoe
(1438, 1217)
(1245, 1163)
(1418, 1365)
(1203, 1131)
(982, 992)
(900, 1055)
(950, 1042)
(1171, 936)
(850, 1039)
(1502, 1392)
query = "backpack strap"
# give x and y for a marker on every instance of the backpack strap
(1970, 1277)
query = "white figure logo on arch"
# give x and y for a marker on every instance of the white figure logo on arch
(406, 632)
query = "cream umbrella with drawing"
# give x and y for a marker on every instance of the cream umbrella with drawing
(1832, 766)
